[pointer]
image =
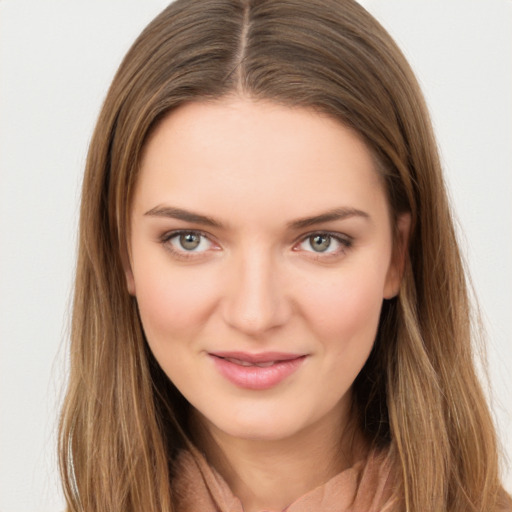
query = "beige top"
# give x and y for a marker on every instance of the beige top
(365, 487)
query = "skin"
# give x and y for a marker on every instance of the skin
(256, 282)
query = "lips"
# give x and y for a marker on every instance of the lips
(256, 371)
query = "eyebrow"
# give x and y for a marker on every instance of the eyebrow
(197, 218)
(329, 216)
(185, 215)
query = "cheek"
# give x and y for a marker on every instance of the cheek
(172, 304)
(344, 318)
(346, 308)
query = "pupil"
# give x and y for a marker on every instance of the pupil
(320, 243)
(189, 241)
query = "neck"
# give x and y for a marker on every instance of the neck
(271, 474)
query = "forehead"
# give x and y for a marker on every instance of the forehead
(249, 155)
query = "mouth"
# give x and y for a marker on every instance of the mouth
(257, 371)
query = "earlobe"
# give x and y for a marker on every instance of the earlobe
(130, 281)
(128, 273)
(400, 250)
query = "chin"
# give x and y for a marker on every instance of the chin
(260, 431)
(258, 423)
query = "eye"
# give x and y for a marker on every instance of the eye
(325, 243)
(320, 243)
(188, 242)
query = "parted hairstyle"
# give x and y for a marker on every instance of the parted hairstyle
(123, 421)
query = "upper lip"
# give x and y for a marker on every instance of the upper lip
(262, 357)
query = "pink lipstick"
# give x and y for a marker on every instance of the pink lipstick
(256, 371)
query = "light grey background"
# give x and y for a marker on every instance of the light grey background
(56, 61)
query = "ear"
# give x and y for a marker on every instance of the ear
(398, 258)
(128, 273)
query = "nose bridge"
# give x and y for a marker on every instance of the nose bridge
(256, 301)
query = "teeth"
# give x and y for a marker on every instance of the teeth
(240, 362)
(264, 365)
(247, 363)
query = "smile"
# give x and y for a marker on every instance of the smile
(256, 371)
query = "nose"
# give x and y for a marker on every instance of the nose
(256, 301)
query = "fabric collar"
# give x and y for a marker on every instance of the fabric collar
(365, 487)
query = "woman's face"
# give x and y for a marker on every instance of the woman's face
(260, 254)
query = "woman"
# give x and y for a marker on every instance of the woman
(270, 307)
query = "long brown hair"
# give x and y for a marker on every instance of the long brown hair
(123, 421)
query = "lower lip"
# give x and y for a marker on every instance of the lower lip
(257, 377)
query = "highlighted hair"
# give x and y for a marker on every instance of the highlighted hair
(418, 395)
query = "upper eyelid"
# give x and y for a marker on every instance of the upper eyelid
(341, 237)
(175, 232)
(334, 234)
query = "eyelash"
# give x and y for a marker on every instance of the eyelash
(183, 254)
(345, 242)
